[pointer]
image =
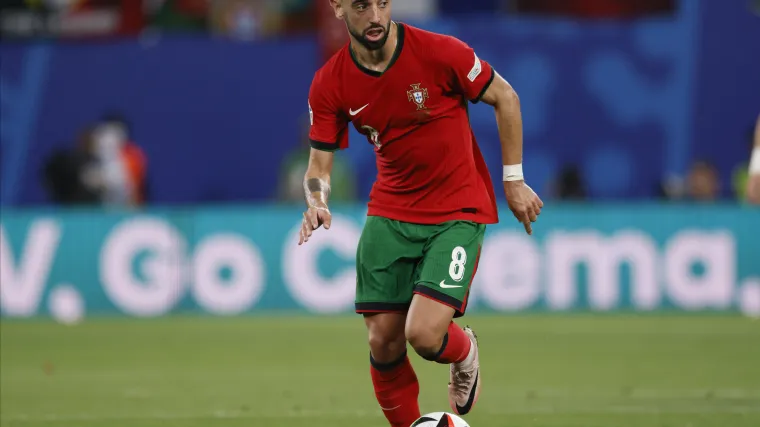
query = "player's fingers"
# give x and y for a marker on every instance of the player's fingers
(532, 215)
(306, 228)
(311, 218)
(302, 235)
(528, 227)
(314, 217)
(525, 219)
(326, 219)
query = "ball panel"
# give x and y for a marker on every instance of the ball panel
(440, 419)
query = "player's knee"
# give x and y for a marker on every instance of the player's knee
(386, 346)
(425, 341)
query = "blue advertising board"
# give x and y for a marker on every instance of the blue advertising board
(629, 102)
(246, 259)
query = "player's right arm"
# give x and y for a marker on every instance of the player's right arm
(753, 185)
(316, 186)
(328, 133)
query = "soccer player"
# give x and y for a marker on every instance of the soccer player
(753, 183)
(407, 90)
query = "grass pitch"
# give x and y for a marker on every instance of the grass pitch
(538, 371)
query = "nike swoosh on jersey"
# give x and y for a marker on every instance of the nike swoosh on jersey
(445, 286)
(353, 113)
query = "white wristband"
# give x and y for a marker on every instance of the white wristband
(754, 162)
(513, 172)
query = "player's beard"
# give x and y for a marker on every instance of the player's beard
(368, 44)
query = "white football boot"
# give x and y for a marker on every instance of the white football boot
(464, 380)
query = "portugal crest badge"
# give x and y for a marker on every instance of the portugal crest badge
(418, 95)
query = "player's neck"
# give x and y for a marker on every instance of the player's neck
(376, 60)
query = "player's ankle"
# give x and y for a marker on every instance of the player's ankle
(470, 356)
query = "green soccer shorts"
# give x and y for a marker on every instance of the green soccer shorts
(395, 260)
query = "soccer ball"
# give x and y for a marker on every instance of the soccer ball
(440, 419)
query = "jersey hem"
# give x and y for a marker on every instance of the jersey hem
(428, 218)
(323, 146)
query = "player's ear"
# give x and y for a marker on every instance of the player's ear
(337, 7)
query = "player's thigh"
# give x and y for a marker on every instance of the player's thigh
(449, 264)
(386, 259)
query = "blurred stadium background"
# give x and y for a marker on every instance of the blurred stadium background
(152, 159)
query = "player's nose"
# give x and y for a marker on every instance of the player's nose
(374, 16)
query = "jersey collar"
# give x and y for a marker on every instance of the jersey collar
(396, 54)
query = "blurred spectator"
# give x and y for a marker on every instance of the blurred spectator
(754, 6)
(671, 188)
(596, 8)
(251, 19)
(570, 185)
(71, 176)
(244, 19)
(178, 14)
(71, 18)
(740, 174)
(343, 186)
(123, 164)
(299, 15)
(702, 182)
(331, 32)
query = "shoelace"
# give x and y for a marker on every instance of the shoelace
(462, 380)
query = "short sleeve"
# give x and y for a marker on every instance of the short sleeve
(328, 127)
(472, 76)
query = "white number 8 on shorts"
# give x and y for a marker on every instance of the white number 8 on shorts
(458, 260)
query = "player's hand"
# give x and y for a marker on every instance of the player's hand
(753, 189)
(313, 218)
(523, 202)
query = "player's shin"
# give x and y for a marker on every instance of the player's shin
(396, 390)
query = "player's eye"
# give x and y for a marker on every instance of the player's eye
(383, 3)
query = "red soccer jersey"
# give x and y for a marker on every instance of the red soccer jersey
(430, 168)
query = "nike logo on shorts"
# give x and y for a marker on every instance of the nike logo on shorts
(445, 286)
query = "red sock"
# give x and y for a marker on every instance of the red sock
(456, 346)
(397, 389)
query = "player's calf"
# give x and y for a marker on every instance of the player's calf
(393, 378)
(435, 337)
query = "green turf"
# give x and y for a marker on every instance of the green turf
(579, 371)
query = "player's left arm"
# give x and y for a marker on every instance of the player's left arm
(477, 81)
(523, 201)
(502, 96)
